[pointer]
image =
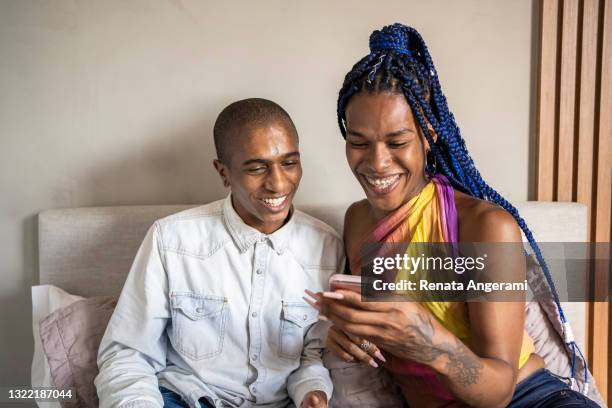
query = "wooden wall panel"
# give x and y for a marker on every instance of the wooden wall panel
(574, 127)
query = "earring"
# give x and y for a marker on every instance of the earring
(430, 163)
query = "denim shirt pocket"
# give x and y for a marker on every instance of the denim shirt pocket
(198, 324)
(295, 318)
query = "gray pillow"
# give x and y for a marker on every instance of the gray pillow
(70, 338)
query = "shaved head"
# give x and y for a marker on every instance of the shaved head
(240, 117)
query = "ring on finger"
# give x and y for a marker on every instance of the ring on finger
(365, 346)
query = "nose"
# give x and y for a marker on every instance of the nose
(379, 158)
(276, 180)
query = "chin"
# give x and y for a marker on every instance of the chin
(274, 217)
(384, 204)
(277, 217)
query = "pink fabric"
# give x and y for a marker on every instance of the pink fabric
(70, 339)
(395, 228)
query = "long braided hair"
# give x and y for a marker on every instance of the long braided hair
(399, 62)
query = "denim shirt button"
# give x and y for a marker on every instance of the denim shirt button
(259, 271)
(254, 314)
(254, 357)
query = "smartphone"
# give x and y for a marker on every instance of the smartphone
(348, 282)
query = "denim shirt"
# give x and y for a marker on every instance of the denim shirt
(213, 308)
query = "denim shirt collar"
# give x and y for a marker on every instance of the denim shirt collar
(245, 236)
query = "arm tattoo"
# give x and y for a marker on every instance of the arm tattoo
(463, 367)
(421, 335)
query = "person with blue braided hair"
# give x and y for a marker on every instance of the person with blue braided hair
(421, 185)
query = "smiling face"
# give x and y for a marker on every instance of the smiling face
(263, 172)
(385, 149)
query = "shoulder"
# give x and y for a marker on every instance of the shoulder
(315, 243)
(305, 223)
(193, 228)
(356, 218)
(482, 221)
(358, 208)
(207, 211)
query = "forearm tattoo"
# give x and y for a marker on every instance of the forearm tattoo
(462, 365)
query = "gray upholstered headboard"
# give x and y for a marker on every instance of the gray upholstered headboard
(88, 251)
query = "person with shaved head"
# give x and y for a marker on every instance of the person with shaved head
(212, 314)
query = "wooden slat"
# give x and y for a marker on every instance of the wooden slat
(567, 101)
(604, 167)
(546, 98)
(600, 356)
(586, 129)
(601, 310)
(586, 125)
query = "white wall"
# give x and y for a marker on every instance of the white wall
(113, 102)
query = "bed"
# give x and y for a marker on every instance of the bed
(88, 251)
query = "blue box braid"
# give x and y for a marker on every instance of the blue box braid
(399, 61)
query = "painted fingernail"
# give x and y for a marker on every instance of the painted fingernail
(379, 356)
(311, 303)
(333, 295)
(373, 363)
(311, 293)
(323, 318)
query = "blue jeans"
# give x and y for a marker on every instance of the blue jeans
(543, 389)
(173, 400)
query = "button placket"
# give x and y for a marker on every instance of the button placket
(254, 324)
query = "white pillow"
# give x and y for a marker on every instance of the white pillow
(45, 300)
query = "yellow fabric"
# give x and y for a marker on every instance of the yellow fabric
(425, 223)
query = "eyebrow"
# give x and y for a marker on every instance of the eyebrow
(263, 161)
(398, 132)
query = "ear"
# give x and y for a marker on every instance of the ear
(223, 171)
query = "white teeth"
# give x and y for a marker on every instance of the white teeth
(382, 182)
(274, 202)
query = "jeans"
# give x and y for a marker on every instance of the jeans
(173, 400)
(543, 389)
